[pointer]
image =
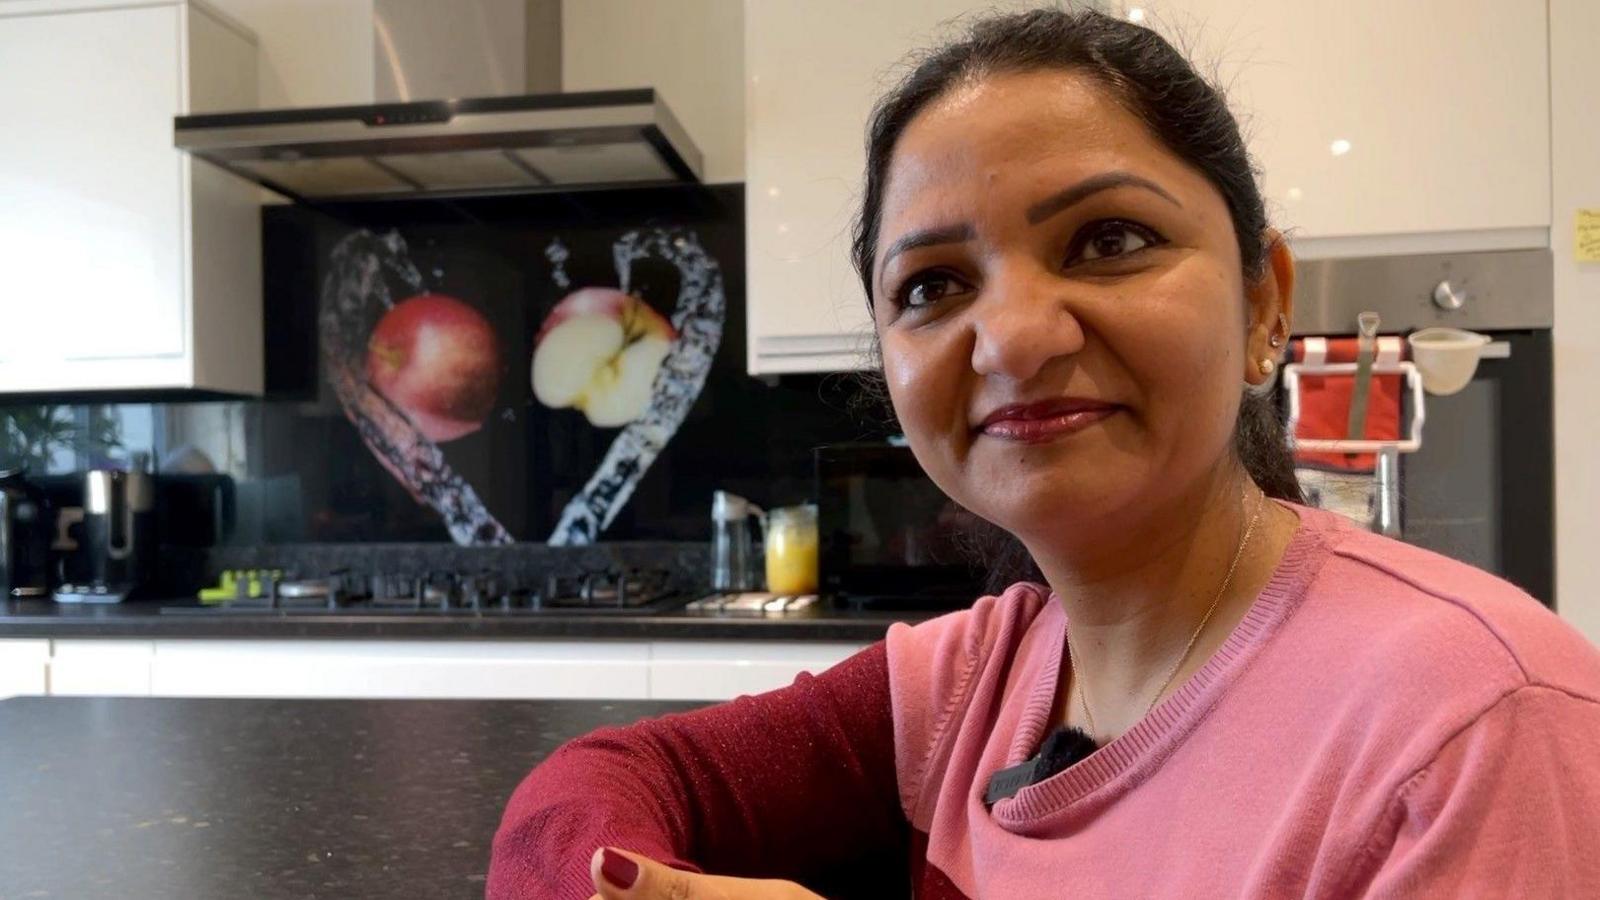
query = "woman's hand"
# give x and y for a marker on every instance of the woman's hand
(620, 875)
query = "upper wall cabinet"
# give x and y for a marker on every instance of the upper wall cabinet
(1383, 127)
(128, 266)
(812, 71)
(1379, 127)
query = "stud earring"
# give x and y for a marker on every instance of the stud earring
(1277, 338)
(1267, 366)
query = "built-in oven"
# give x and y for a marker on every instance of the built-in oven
(1479, 484)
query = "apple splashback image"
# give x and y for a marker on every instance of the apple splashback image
(455, 336)
(415, 369)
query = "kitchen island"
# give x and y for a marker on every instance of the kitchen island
(160, 798)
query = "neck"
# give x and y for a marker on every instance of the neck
(1134, 604)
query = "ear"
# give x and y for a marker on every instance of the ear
(1269, 297)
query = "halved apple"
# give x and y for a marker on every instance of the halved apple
(598, 351)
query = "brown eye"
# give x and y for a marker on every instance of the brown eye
(922, 290)
(1110, 239)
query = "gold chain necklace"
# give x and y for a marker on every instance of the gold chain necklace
(1072, 656)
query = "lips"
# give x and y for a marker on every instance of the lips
(1033, 423)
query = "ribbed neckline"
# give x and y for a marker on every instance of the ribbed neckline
(1129, 759)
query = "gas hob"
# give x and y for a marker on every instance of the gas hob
(439, 592)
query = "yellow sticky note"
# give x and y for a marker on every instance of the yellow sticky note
(1586, 239)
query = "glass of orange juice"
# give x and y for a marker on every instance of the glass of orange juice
(792, 550)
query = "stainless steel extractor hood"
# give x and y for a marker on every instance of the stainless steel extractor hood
(521, 132)
(514, 143)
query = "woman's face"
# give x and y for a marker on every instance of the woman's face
(1063, 319)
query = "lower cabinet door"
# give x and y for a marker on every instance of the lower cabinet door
(722, 670)
(107, 667)
(422, 669)
(533, 669)
(24, 667)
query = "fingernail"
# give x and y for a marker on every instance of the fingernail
(618, 869)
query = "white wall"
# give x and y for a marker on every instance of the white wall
(691, 50)
(312, 52)
(1575, 183)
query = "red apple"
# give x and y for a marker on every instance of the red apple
(599, 350)
(436, 359)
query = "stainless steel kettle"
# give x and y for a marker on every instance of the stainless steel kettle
(119, 533)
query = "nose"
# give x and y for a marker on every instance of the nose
(1023, 321)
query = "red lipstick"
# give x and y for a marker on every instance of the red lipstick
(1046, 420)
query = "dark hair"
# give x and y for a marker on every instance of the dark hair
(1181, 108)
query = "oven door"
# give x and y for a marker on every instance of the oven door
(1481, 487)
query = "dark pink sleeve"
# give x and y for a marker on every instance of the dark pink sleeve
(798, 783)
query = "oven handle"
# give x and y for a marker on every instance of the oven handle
(1413, 441)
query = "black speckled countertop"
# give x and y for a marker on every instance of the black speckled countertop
(45, 618)
(161, 798)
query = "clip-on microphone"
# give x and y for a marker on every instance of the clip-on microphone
(1065, 746)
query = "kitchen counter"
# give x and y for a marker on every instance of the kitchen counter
(45, 618)
(161, 798)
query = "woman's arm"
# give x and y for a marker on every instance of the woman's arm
(798, 783)
(1510, 807)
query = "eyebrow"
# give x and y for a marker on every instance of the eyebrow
(1044, 209)
(929, 237)
(1069, 197)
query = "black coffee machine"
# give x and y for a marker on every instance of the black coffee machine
(119, 535)
(24, 538)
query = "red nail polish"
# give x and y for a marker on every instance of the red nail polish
(618, 869)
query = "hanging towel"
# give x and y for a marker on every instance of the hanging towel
(1326, 401)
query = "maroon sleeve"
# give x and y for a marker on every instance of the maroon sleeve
(798, 783)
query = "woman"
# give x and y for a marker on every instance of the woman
(1078, 300)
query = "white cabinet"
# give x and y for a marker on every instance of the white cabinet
(1384, 127)
(530, 669)
(1380, 127)
(722, 670)
(24, 667)
(812, 71)
(441, 669)
(127, 264)
(102, 668)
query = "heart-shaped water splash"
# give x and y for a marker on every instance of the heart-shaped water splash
(363, 270)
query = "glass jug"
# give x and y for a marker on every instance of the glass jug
(732, 548)
(791, 546)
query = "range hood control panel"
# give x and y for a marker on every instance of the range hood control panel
(408, 114)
